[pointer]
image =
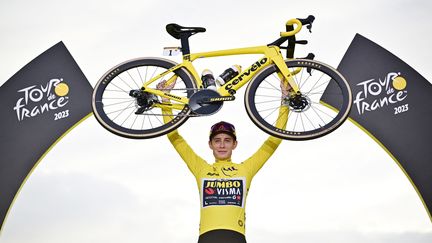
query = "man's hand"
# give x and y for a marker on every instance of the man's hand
(162, 85)
(284, 88)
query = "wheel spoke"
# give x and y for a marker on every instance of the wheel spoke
(145, 79)
(323, 112)
(124, 91)
(295, 122)
(268, 109)
(131, 105)
(314, 88)
(307, 117)
(280, 115)
(267, 101)
(141, 79)
(301, 78)
(126, 98)
(271, 112)
(310, 75)
(128, 101)
(151, 124)
(157, 118)
(270, 88)
(313, 108)
(133, 111)
(137, 85)
(273, 86)
(315, 83)
(271, 96)
(154, 72)
(125, 82)
(133, 123)
(142, 124)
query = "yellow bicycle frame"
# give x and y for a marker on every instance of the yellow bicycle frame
(272, 55)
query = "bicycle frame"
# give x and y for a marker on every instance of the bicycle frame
(272, 55)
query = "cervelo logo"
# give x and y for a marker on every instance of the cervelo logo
(376, 94)
(39, 99)
(230, 85)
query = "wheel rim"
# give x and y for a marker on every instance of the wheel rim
(115, 107)
(309, 117)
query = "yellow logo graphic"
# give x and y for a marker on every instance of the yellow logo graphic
(62, 89)
(399, 83)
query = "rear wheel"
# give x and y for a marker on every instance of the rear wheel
(309, 116)
(123, 108)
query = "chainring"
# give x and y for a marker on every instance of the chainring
(199, 105)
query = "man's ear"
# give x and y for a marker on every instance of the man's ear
(235, 144)
(210, 145)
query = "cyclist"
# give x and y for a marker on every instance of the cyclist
(223, 185)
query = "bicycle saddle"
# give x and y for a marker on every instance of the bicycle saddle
(177, 31)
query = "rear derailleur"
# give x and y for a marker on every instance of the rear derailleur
(144, 101)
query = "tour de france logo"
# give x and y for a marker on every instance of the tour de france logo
(377, 93)
(44, 98)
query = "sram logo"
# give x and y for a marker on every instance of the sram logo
(39, 99)
(382, 92)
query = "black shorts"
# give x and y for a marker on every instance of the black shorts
(222, 236)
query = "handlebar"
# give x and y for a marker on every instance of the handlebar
(299, 24)
(290, 23)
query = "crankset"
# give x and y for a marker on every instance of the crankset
(207, 102)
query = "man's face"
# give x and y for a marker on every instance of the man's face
(222, 145)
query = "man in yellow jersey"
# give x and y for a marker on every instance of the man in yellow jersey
(224, 185)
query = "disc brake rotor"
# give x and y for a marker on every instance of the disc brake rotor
(298, 102)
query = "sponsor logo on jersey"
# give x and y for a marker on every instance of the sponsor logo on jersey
(223, 192)
(229, 171)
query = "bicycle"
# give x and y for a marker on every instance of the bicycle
(127, 102)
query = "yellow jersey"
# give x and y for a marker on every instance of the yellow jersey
(223, 186)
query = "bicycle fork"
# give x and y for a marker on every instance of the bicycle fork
(286, 75)
(292, 97)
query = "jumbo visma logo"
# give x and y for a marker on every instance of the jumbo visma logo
(378, 93)
(223, 192)
(223, 187)
(39, 99)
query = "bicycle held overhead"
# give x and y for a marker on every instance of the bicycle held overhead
(127, 101)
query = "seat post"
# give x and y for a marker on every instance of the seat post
(185, 43)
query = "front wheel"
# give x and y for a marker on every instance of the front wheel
(124, 109)
(309, 116)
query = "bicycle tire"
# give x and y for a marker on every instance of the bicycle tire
(316, 119)
(115, 109)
